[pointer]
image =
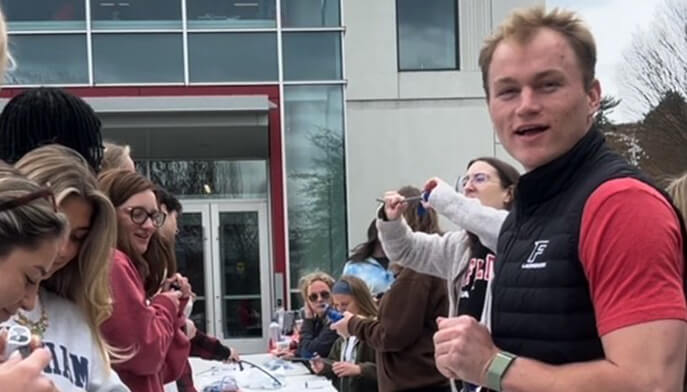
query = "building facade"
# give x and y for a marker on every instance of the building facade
(415, 104)
(277, 122)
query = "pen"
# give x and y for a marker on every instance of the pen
(412, 198)
(300, 359)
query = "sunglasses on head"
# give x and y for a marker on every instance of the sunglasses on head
(322, 294)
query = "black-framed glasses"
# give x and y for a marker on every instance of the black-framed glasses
(477, 179)
(140, 215)
(43, 193)
(322, 294)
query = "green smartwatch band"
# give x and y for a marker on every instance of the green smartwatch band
(497, 368)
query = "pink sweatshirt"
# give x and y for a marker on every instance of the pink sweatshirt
(151, 331)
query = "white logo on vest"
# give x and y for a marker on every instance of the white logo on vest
(539, 248)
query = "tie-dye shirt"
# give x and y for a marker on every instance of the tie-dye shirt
(377, 278)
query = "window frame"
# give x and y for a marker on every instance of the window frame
(285, 62)
(94, 36)
(93, 22)
(48, 33)
(456, 33)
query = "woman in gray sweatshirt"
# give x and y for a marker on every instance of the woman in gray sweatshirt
(463, 257)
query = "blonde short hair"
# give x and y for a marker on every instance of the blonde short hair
(115, 155)
(317, 276)
(521, 25)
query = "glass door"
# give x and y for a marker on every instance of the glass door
(193, 253)
(223, 248)
(241, 278)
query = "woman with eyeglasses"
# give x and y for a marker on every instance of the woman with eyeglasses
(145, 321)
(315, 336)
(74, 300)
(31, 235)
(478, 206)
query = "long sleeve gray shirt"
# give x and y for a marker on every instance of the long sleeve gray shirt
(445, 256)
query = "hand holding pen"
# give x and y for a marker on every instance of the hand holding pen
(318, 363)
(396, 204)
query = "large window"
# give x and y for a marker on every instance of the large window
(49, 15)
(48, 59)
(224, 14)
(136, 14)
(138, 58)
(210, 179)
(312, 56)
(310, 13)
(427, 35)
(159, 42)
(314, 140)
(232, 57)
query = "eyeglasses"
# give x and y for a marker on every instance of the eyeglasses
(476, 179)
(322, 294)
(139, 216)
(43, 193)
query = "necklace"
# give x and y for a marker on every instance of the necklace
(36, 327)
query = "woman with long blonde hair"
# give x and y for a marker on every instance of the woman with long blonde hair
(75, 299)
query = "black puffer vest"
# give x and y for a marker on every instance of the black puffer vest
(541, 303)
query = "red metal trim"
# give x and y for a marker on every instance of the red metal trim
(272, 91)
(277, 173)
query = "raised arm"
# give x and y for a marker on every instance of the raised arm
(467, 213)
(430, 254)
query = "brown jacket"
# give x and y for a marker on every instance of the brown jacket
(402, 335)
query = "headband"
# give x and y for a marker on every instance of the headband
(342, 287)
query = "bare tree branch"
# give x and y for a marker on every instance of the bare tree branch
(656, 61)
(655, 76)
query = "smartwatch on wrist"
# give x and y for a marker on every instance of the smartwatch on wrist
(497, 369)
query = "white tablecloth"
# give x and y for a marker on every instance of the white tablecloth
(295, 376)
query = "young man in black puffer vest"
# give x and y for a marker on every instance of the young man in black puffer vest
(588, 293)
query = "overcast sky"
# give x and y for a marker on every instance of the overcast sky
(612, 22)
